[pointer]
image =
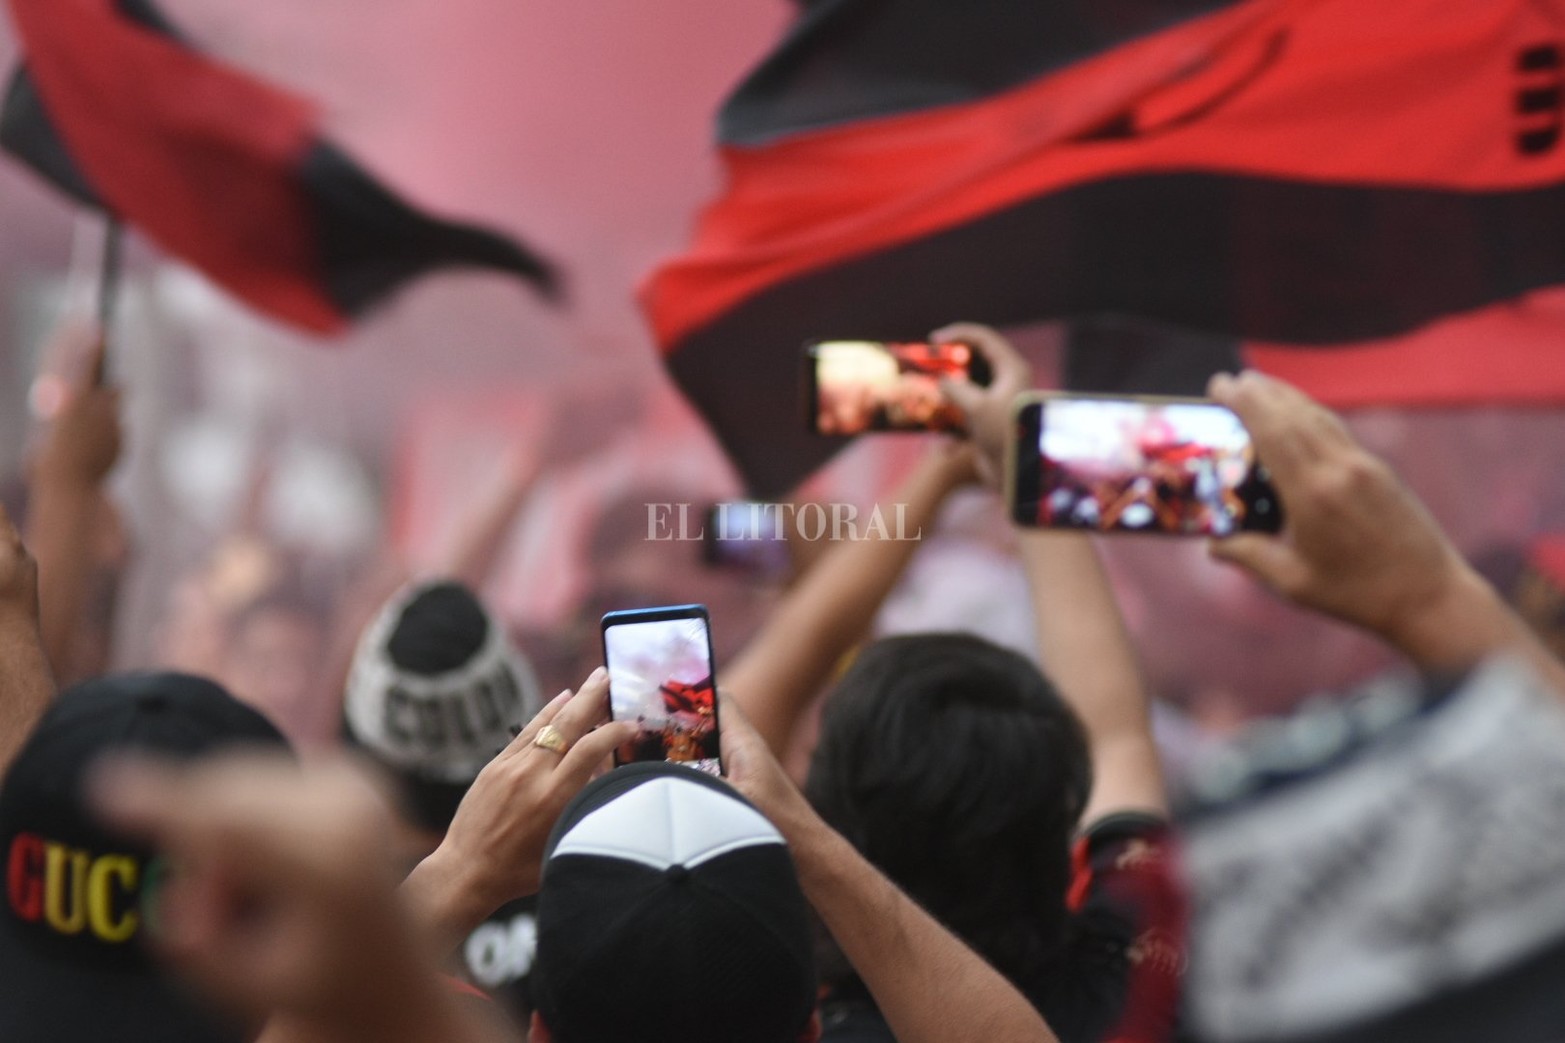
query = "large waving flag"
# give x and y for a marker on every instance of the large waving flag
(1286, 172)
(227, 172)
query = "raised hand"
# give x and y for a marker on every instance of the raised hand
(1358, 545)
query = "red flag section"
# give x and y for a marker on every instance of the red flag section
(113, 86)
(1289, 171)
(1509, 353)
(219, 168)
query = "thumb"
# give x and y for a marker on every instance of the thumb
(1267, 558)
(740, 743)
(967, 397)
(735, 724)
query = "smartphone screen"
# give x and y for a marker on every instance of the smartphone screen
(747, 537)
(870, 385)
(1177, 466)
(661, 676)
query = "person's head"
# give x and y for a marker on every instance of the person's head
(628, 569)
(80, 900)
(435, 690)
(273, 658)
(953, 765)
(670, 913)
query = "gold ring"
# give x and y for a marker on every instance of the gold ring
(551, 739)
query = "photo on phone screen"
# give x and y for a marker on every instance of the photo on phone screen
(746, 536)
(863, 385)
(661, 676)
(1176, 466)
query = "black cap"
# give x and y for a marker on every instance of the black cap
(72, 925)
(670, 911)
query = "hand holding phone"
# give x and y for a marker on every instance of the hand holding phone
(662, 677)
(859, 386)
(1176, 466)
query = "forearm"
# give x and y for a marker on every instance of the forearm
(929, 986)
(476, 549)
(1466, 623)
(445, 904)
(830, 609)
(1087, 652)
(61, 526)
(26, 683)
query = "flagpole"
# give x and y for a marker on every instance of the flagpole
(109, 286)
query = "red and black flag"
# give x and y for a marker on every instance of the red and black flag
(227, 172)
(1291, 172)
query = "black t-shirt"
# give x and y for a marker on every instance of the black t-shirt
(498, 956)
(1118, 979)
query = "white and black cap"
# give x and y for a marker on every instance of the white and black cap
(436, 689)
(670, 911)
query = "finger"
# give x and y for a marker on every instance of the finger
(241, 801)
(585, 710)
(1011, 372)
(96, 373)
(1290, 429)
(1267, 558)
(736, 734)
(1268, 418)
(967, 397)
(524, 738)
(8, 530)
(190, 911)
(140, 796)
(582, 759)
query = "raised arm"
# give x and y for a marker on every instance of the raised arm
(830, 608)
(1082, 639)
(1359, 546)
(930, 987)
(485, 529)
(1087, 653)
(26, 685)
(68, 507)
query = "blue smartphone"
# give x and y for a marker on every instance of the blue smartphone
(662, 676)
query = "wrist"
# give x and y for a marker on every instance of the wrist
(60, 476)
(947, 466)
(448, 898)
(817, 849)
(1459, 624)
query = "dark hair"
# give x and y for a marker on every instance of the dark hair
(954, 766)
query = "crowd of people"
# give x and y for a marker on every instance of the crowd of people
(919, 838)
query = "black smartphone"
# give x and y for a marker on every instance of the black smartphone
(661, 676)
(857, 386)
(1178, 466)
(746, 536)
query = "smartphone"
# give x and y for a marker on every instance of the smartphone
(1178, 466)
(746, 536)
(857, 386)
(661, 676)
